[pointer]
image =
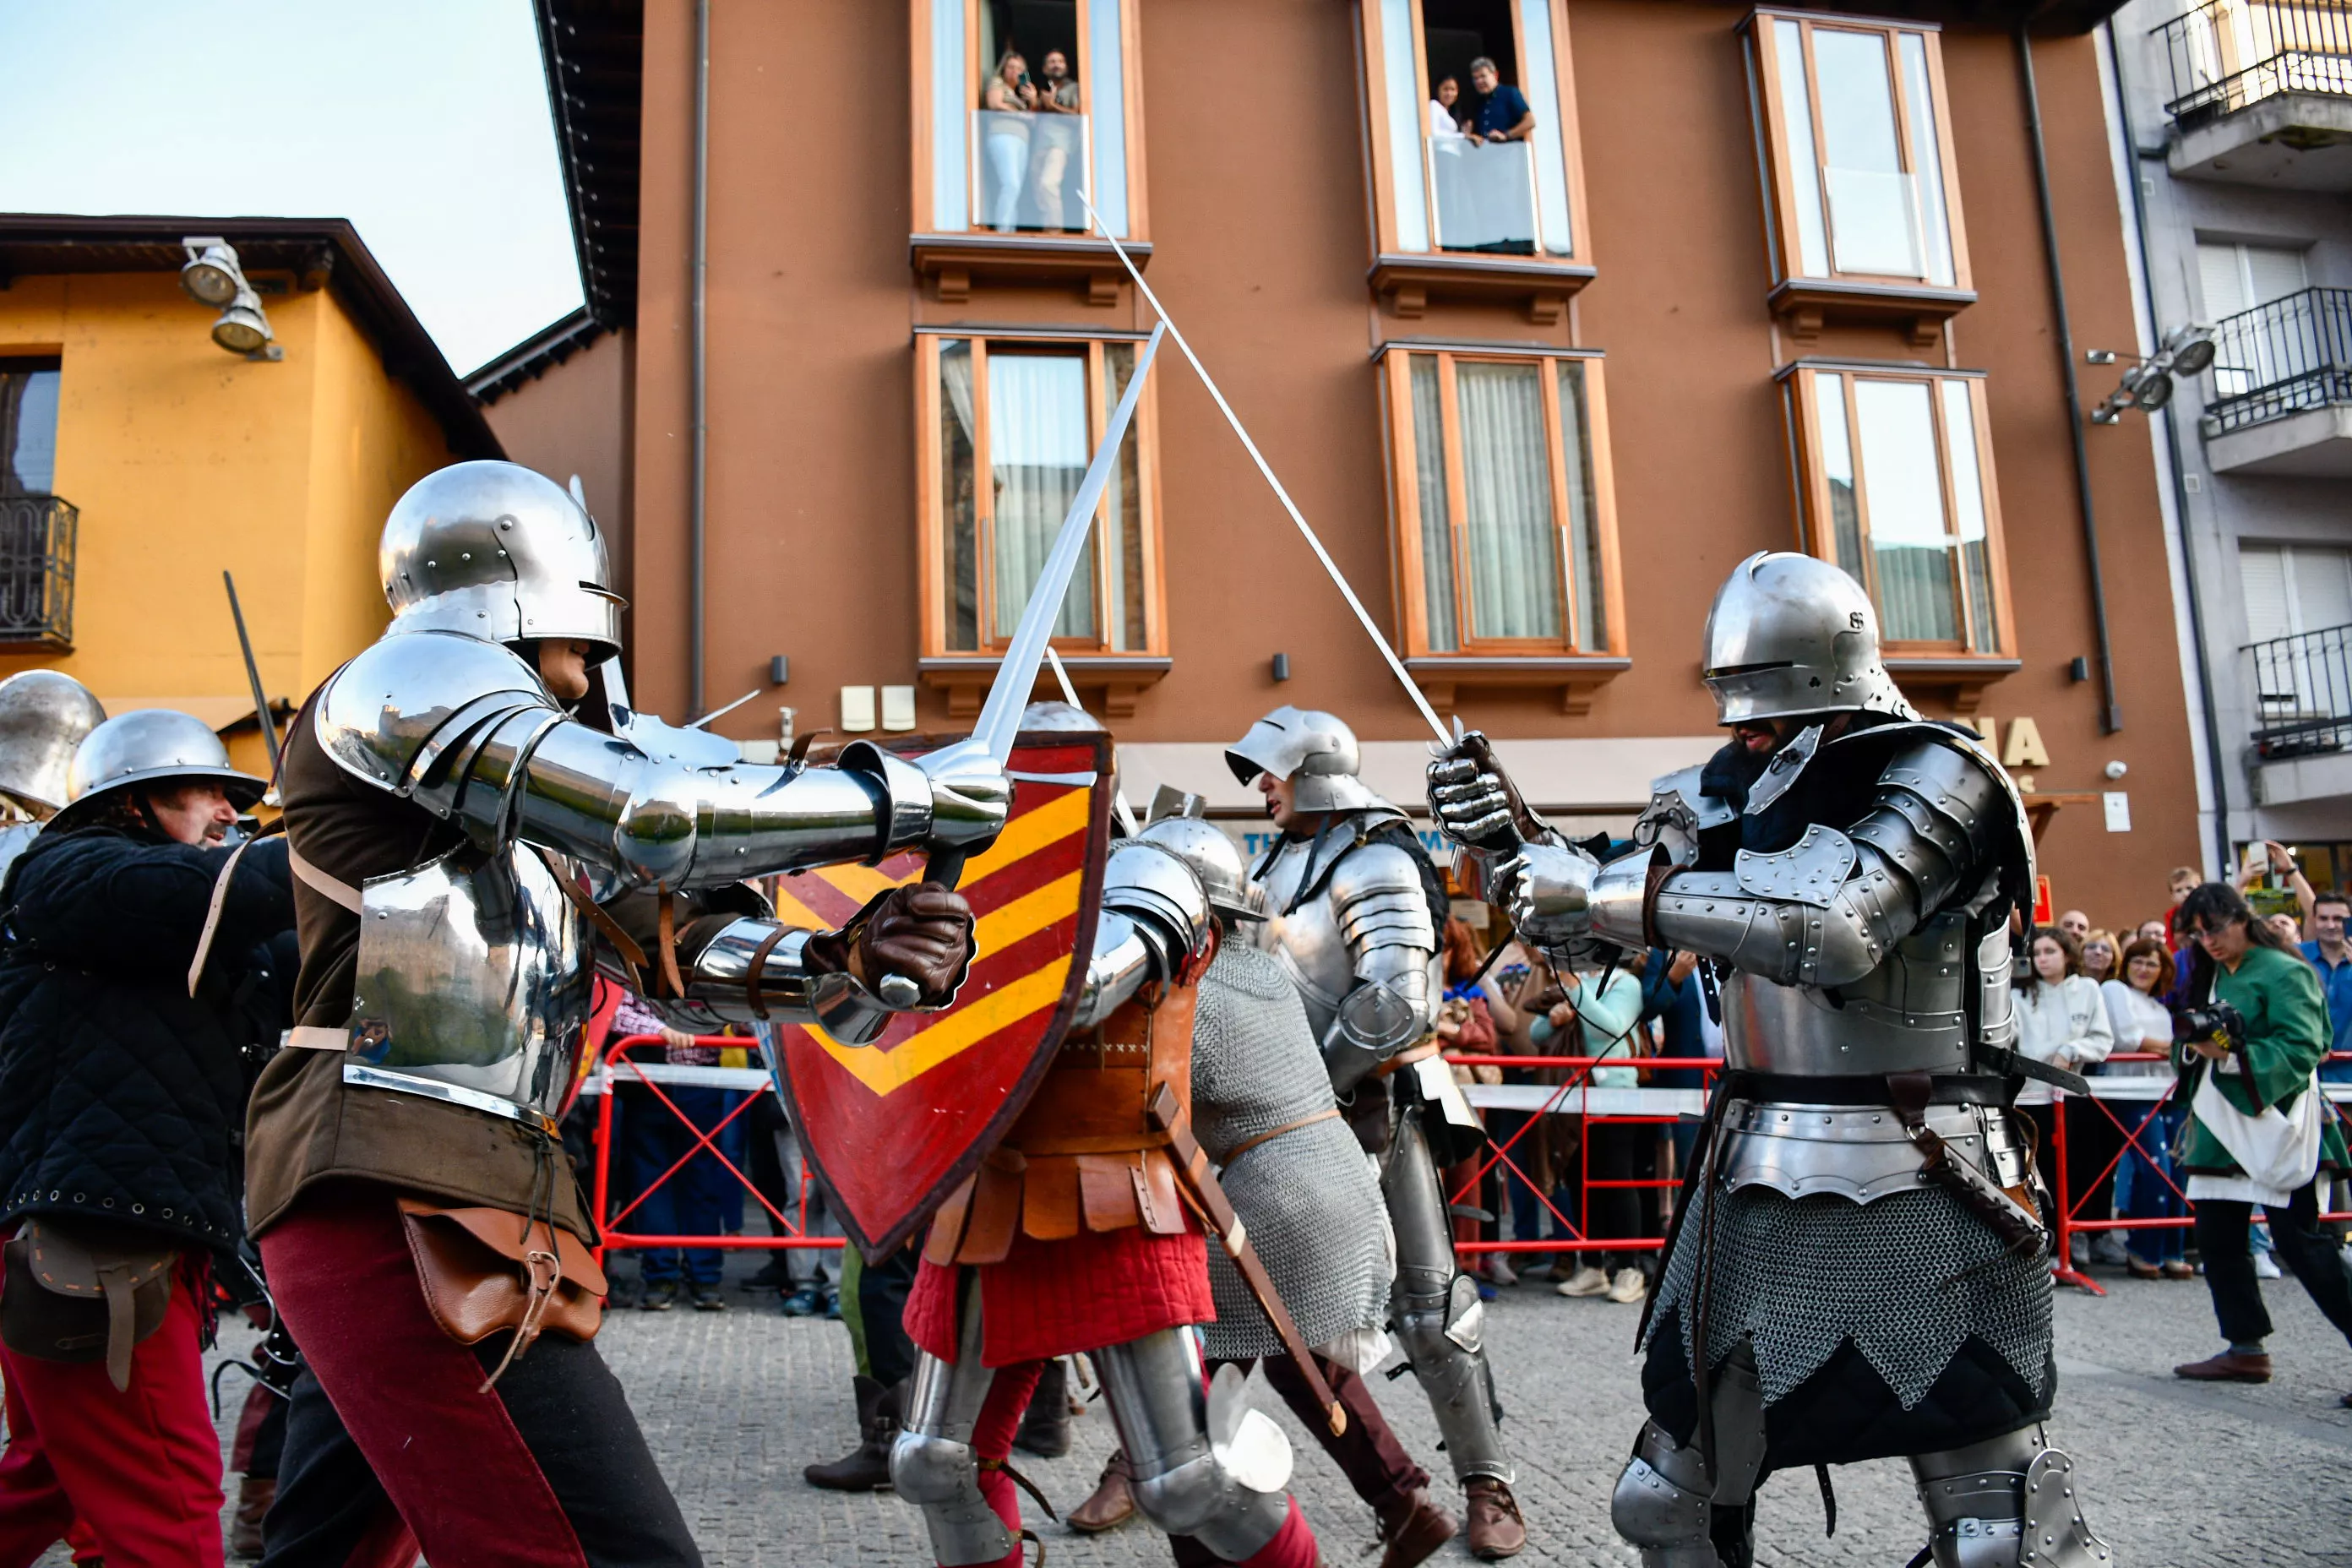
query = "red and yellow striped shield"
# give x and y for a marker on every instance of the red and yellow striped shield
(893, 1127)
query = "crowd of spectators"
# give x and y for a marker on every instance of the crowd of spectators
(1029, 136)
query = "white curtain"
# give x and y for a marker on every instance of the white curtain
(1037, 456)
(1514, 544)
(1437, 523)
(1902, 486)
(959, 495)
(1583, 539)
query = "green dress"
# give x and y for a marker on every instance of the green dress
(2287, 1036)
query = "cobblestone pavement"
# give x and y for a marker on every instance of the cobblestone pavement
(735, 1404)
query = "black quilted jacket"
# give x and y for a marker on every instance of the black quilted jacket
(120, 1096)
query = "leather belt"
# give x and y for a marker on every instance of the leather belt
(316, 1037)
(1270, 1134)
(1406, 1057)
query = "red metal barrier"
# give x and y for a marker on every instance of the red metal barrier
(1579, 1069)
(791, 1230)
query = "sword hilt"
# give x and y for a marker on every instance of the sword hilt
(945, 867)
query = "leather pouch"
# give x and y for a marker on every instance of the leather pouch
(1106, 1190)
(1049, 1199)
(84, 1292)
(482, 1272)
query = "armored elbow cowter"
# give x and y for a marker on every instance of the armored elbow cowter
(464, 727)
(1827, 911)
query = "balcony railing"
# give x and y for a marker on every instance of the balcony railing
(37, 569)
(1485, 195)
(2285, 357)
(1027, 170)
(2228, 53)
(2302, 694)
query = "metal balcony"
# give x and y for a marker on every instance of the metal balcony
(37, 569)
(2302, 738)
(2280, 393)
(2261, 93)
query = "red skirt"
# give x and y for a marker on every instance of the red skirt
(1057, 1297)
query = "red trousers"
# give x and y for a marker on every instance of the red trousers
(140, 1469)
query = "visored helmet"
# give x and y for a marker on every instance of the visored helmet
(497, 551)
(1792, 637)
(43, 714)
(1315, 750)
(152, 745)
(1214, 861)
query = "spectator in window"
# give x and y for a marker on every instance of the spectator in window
(2144, 1182)
(1502, 112)
(1008, 97)
(2061, 1019)
(2101, 951)
(2241, 962)
(1444, 128)
(1054, 142)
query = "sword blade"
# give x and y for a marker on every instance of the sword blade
(1000, 715)
(1446, 737)
(253, 676)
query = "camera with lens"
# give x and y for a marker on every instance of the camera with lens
(2214, 1021)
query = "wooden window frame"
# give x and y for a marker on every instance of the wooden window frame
(918, 32)
(1410, 276)
(1405, 508)
(1816, 520)
(932, 574)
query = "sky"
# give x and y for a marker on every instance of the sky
(425, 124)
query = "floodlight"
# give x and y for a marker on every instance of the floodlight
(211, 275)
(243, 329)
(2194, 357)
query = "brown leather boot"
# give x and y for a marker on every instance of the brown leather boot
(1413, 1530)
(2229, 1366)
(866, 1467)
(1113, 1503)
(254, 1494)
(1496, 1531)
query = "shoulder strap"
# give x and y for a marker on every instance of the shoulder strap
(220, 898)
(332, 890)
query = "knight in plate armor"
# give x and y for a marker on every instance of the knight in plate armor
(43, 715)
(1262, 1107)
(1354, 912)
(1072, 1237)
(475, 832)
(1850, 871)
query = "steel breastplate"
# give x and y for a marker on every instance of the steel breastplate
(474, 984)
(1307, 941)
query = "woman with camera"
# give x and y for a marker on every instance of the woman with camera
(2253, 1034)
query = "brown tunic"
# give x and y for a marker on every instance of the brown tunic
(305, 1125)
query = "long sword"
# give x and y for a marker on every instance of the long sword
(253, 675)
(1446, 737)
(1008, 695)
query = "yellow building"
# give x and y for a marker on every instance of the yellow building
(139, 459)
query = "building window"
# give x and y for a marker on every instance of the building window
(1859, 183)
(1506, 538)
(1008, 428)
(1895, 473)
(1020, 105)
(1460, 167)
(28, 425)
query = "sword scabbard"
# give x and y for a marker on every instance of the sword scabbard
(1200, 1186)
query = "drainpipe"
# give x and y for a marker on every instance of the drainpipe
(699, 414)
(2110, 716)
(2217, 773)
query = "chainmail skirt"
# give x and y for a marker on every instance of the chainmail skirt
(1893, 1327)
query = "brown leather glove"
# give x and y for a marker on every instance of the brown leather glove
(923, 932)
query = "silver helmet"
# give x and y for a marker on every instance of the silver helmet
(152, 744)
(499, 552)
(43, 714)
(1314, 748)
(1793, 636)
(1059, 716)
(1214, 861)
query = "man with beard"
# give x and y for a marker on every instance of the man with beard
(1851, 870)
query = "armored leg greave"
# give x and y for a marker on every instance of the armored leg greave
(1204, 1465)
(2007, 1502)
(1668, 1504)
(932, 1464)
(1437, 1314)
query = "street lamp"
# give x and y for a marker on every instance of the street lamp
(2147, 385)
(211, 276)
